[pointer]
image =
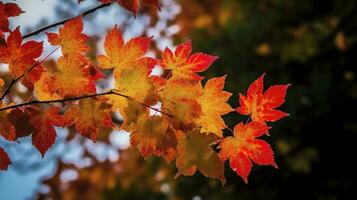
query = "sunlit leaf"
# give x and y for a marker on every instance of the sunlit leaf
(70, 37)
(184, 65)
(261, 106)
(214, 105)
(21, 57)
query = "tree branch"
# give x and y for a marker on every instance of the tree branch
(64, 21)
(83, 97)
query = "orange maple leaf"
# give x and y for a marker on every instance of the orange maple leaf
(7, 129)
(261, 106)
(184, 65)
(244, 147)
(180, 98)
(75, 77)
(21, 57)
(88, 116)
(120, 55)
(4, 160)
(70, 37)
(214, 104)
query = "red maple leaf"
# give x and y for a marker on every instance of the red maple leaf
(7, 10)
(244, 147)
(44, 134)
(261, 106)
(21, 57)
(184, 65)
(4, 160)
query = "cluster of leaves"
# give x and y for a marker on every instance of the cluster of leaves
(173, 115)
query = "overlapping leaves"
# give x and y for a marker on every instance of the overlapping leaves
(177, 116)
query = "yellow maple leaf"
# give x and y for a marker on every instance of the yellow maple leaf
(134, 83)
(120, 55)
(213, 103)
(180, 99)
(194, 153)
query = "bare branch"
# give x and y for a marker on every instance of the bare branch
(64, 21)
(82, 97)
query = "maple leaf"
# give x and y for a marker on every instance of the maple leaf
(45, 87)
(213, 103)
(244, 147)
(14, 124)
(21, 57)
(122, 55)
(132, 112)
(20, 119)
(135, 83)
(194, 152)
(88, 116)
(184, 65)
(7, 129)
(70, 37)
(2, 83)
(73, 78)
(7, 10)
(180, 99)
(4, 160)
(44, 134)
(133, 5)
(261, 106)
(167, 147)
(150, 132)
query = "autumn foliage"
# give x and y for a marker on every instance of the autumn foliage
(175, 115)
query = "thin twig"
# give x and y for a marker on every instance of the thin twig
(82, 97)
(64, 21)
(230, 130)
(249, 118)
(7, 89)
(13, 81)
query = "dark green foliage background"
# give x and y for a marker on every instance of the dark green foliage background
(315, 146)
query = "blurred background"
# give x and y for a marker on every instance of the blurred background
(311, 44)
